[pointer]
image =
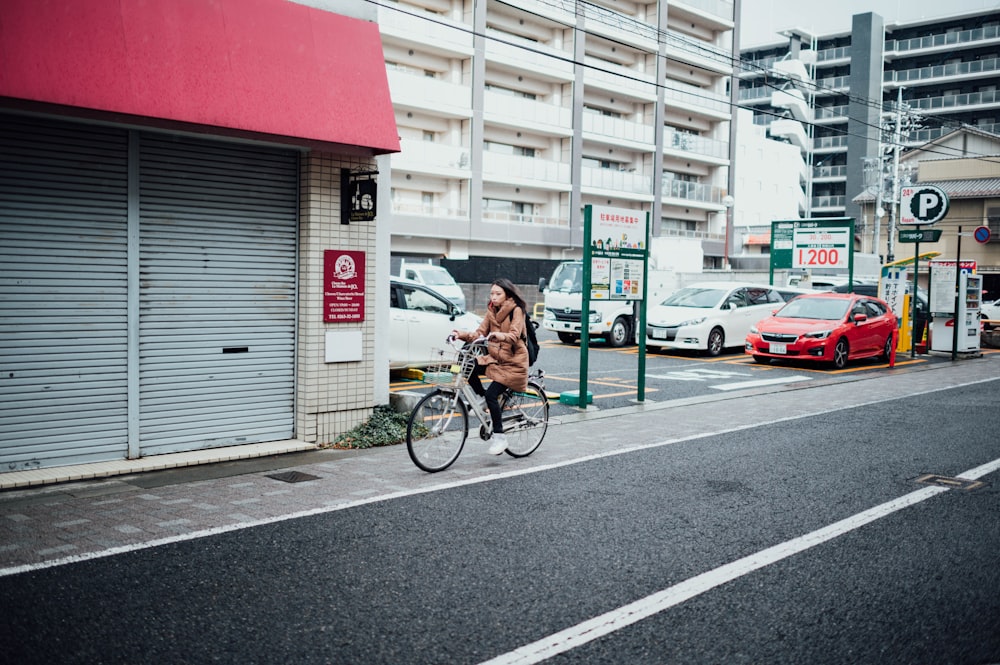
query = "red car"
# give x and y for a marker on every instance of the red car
(828, 327)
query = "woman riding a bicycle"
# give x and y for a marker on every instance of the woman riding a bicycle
(506, 364)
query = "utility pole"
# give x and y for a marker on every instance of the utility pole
(894, 203)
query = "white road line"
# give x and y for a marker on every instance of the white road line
(760, 382)
(641, 609)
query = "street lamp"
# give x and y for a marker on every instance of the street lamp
(727, 201)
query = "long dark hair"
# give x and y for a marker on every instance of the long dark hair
(511, 291)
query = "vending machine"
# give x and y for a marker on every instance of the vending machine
(965, 323)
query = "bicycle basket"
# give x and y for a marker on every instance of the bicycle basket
(452, 366)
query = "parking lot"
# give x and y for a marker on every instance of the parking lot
(613, 376)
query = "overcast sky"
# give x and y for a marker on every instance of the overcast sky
(763, 19)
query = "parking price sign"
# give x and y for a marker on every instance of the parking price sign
(820, 247)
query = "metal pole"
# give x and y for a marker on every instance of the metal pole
(890, 254)
(913, 301)
(958, 282)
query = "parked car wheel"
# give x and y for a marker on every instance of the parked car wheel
(840, 354)
(618, 335)
(887, 348)
(716, 341)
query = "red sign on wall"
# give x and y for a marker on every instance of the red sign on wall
(343, 286)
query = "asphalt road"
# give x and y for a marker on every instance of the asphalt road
(805, 540)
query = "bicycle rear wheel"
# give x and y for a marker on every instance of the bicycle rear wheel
(437, 430)
(525, 420)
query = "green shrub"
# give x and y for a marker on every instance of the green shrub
(386, 427)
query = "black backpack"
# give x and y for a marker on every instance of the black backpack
(529, 337)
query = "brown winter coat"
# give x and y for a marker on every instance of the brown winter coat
(507, 362)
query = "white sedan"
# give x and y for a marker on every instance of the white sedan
(990, 311)
(709, 316)
(420, 320)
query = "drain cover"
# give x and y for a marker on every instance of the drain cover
(953, 483)
(293, 477)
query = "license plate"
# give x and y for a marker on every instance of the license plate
(659, 334)
(777, 347)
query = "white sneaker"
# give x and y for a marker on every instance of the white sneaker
(499, 444)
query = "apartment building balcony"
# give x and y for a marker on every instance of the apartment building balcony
(699, 101)
(560, 11)
(426, 157)
(411, 89)
(535, 116)
(704, 55)
(833, 85)
(544, 62)
(965, 102)
(716, 14)
(791, 130)
(692, 194)
(416, 220)
(958, 71)
(432, 32)
(828, 115)
(949, 41)
(618, 132)
(616, 184)
(917, 137)
(526, 172)
(692, 146)
(840, 55)
(828, 144)
(619, 27)
(830, 203)
(758, 94)
(621, 81)
(833, 173)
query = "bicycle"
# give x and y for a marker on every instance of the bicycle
(439, 423)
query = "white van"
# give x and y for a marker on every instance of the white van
(611, 319)
(437, 278)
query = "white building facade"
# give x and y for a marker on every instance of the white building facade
(513, 116)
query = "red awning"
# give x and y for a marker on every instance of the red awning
(758, 239)
(269, 67)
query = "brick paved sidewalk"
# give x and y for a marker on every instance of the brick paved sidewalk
(59, 523)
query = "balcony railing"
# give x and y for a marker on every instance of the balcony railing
(692, 191)
(425, 210)
(838, 112)
(420, 156)
(837, 171)
(693, 96)
(943, 71)
(618, 129)
(832, 84)
(411, 88)
(838, 53)
(720, 8)
(526, 169)
(547, 62)
(608, 76)
(498, 217)
(693, 143)
(510, 110)
(955, 101)
(945, 39)
(618, 181)
(834, 201)
(829, 142)
(412, 24)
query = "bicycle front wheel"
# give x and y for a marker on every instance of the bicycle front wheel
(437, 430)
(525, 420)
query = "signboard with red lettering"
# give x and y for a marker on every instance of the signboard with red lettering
(617, 251)
(343, 286)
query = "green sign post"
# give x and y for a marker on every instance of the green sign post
(615, 265)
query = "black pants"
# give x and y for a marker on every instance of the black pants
(492, 395)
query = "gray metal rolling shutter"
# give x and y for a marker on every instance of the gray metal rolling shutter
(217, 294)
(63, 293)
